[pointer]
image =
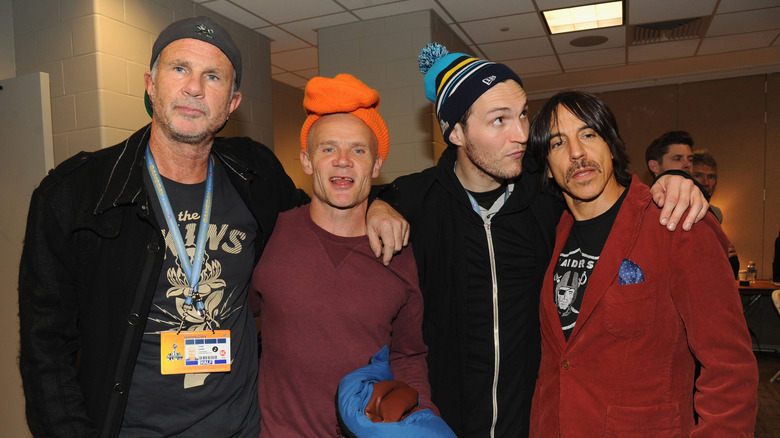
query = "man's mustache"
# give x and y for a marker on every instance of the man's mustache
(582, 164)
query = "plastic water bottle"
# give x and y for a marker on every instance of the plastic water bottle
(751, 271)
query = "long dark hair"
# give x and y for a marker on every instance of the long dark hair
(596, 114)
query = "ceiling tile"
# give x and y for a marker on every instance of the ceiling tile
(459, 32)
(540, 64)
(517, 49)
(744, 5)
(489, 30)
(278, 12)
(594, 58)
(291, 79)
(616, 37)
(236, 14)
(296, 60)
(745, 41)
(650, 11)
(307, 29)
(308, 74)
(357, 4)
(292, 26)
(546, 5)
(739, 22)
(398, 8)
(463, 10)
(655, 52)
(282, 41)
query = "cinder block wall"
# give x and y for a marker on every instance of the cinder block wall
(96, 53)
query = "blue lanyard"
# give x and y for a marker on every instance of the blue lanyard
(191, 269)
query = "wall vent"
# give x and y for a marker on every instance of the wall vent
(662, 31)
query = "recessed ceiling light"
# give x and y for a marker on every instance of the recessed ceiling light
(585, 17)
(588, 41)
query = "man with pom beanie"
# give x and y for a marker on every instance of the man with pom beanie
(483, 235)
(327, 304)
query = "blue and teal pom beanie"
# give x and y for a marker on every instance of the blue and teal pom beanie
(453, 81)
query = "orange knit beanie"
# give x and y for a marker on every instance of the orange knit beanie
(344, 94)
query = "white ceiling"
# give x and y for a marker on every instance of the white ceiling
(512, 31)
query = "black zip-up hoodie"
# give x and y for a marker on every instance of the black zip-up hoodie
(453, 257)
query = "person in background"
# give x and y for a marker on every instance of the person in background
(621, 359)
(705, 171)
(482, 234)
(327, 305)
(671, 151)
(153, 238)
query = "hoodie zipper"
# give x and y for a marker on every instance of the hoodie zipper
(496, 341)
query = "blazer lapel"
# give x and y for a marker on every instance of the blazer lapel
(549, 308)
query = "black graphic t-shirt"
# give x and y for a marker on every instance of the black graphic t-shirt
(576, 263)
(205, 404)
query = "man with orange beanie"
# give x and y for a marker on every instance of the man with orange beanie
(327, 304)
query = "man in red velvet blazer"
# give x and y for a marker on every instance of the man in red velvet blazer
(627, 308)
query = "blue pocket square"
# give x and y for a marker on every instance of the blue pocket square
(630, 273)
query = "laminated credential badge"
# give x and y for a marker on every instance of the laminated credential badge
(200, 351)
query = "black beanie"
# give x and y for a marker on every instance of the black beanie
(204, 29)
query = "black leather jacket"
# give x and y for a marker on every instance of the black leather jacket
(92, 253)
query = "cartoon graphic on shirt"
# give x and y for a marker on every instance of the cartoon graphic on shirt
(212, 288)
(566, 293)
(569, 281)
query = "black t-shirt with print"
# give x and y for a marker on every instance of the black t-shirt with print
(206, 404)
(576, 263)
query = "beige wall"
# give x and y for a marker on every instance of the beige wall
(383, 53)
(289, 116)
(96, 53)
(7, 63)
(771, 172)
(726, 116)
(361, 49)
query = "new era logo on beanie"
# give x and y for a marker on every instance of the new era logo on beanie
(453, 81)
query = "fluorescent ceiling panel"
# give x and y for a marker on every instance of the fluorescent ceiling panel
(584, 17)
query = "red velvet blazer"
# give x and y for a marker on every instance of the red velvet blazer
(628, 367)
